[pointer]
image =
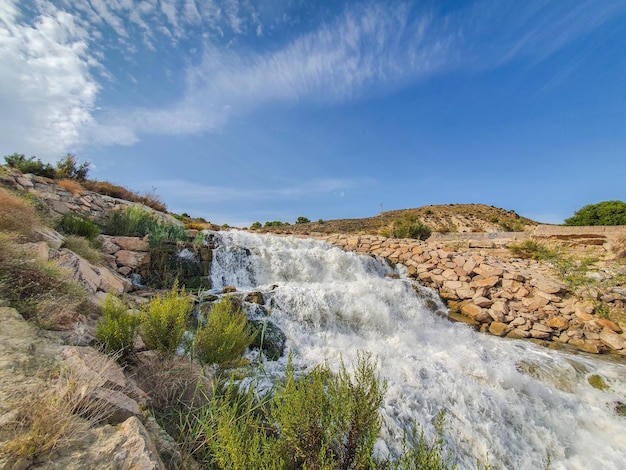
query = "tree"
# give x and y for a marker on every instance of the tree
(302, 220)
(255, 226)
(69, 168)
(602, 213)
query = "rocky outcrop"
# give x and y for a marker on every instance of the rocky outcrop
(505, 297)
(88, 203)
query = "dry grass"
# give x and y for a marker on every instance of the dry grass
(149, 199)
(71, 186)
(198, 226)
(171, 382)
(16, 215)
(54, 417)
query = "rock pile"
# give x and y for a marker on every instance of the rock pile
(513, 298)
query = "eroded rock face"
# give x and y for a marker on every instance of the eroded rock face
(506, 297)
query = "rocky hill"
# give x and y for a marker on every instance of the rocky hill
(443, 218)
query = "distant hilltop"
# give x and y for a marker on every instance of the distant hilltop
(442, 218)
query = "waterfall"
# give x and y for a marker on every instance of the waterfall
(509, 403)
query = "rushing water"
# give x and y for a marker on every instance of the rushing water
(508, 403)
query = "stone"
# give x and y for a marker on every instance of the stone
(612, 339)
(255, 297)
(453, 285)
(516, 333)
(558, 323)
(539, 334)
(53, 238)
(590, 346)
(41, 250)
(486, 282)
(270, 338)
(542, 327)
(486, 270)
(229, 289)
(138, 451)
(131, 243)
(475, 312)
(108, 246)
(482, 301)
(132, 259)
(545, 284)
(465, 292)
(94, 363)
(120, 405)
(498, 329)
(112, 282)
(496, 316)
(606, 323)
(449, 275)
(80, 269)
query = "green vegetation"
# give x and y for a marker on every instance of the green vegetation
(602, 213)
(118, 328)
(408, 226)
(83, 247)
(132, 221)
(68, 167)
(74, 224)
(511, 225)
(164, 321)
(302, 220)
(225, 336)
(30, 165)
(276, 223)
(255, 226)
(165, 233)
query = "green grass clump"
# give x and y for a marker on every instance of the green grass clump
(163, 233)
(118, 328)
(225, 337)
(132, 221)
(83, 248)
(408, 226)
(530, 249)
(164, 321)
(74, 224)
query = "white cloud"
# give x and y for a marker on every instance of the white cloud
(48, 92)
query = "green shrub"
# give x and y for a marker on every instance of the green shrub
(276, 223)
(410, 227)
(118, 328)
(602, 213)
(158, 234)
(225, 337)
(164, 321)
(74, 224)
(511, 225)
(255, 226)
(302, 220)
(82, 247)
(69, 168)
(30, 165)
(132, 221)
(530, 249)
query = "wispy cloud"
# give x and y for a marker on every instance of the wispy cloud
(305, 189)
(52, 62)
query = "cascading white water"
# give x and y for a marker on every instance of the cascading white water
(508, 403)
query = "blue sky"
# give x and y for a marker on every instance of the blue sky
(241, 110)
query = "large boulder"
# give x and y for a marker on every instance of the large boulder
(269, 338)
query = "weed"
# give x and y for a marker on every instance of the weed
(159, 234)
(530, 249)
(410, 227)
(30, 165)
(225, 337)
(118, 328)
(164, 321)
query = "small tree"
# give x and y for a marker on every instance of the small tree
(255, 226)
(602, 213)
(302, 220)
(69, 168)
(117, 329)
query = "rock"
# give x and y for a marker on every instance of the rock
(255, 298)
(606, 323)
(93, 363)
(497, 316)
(465, 292)
(112, 282)
(80, 269)
(542, 327)
(79, 336)
(270, 338)
(498, 329)
(482, 301)
(590, 346)
(550, 286)
(458, 317)
(41, 250)
(53, 238)
(120, 405)
(131, 243)
(165, 445)
(539, 334)
(558, 323)
(486, 282)
(486, 271)
(475, 312)
(516, 333)
(138, 451)
(612, 339)
(108, 246)
(229, 289)
(132, 259)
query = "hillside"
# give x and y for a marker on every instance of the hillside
(461, 218)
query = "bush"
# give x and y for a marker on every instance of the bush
(255, 226)
(68, 168)
(409, 227)
(603, 213)
(132, 221)
(159, 234)
(530, 249)
(74, 224)
(71, 186)
(302, 220)
(225, 337)
(164, 321)
(30, 165)
(118, 328)
(276, 223)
